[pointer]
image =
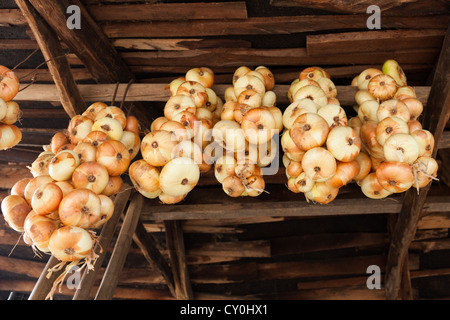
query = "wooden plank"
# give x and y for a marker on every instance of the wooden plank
(175, 247)
(178, 44)
(266, 26)
(119, 254)
(370, 41)
(45, 283)
(436, 115)
(170, 11)
(19, 44)
(147, 245)
(44, 75)
(156, 92)
(84, 290)
(12, 17)
(57, 63)
(240, 249)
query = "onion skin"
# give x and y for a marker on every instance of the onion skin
(319, 164)
(18, 188)
(80, 208)
(35, 183)
(114, 156)
(345, 172)
(71, 243)
(233, 186)
(395, 177)
(63, 165)
(40, 228)
(309, 130)
(9, 84)
(157, 146)
(144, 177)
(15, 209)
(114, 185)
(322, 193)
(46, 198)
(90, 175)
(372, 188)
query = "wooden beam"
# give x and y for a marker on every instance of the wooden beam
(116, 263)
(175, 246)
(147, 244)
(436, 115)
(88, 279)
(57, 63)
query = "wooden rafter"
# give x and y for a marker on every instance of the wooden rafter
(436, 115)
(58, 65)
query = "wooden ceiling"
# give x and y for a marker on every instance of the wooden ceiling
(275, 246)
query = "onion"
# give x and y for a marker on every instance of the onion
(304, 183)
(178, 131)
(297, 84)
(368, 111)
(414, 106)
(291, 184)
(401, 147)
(309, 130)
(269, 99)
(322, 193)
(229, 94)
(10, 136)
(145, 178)
(35, 183)
(188, 120)
(174, 84)
(69, 146)
(391, 108)
(355, 123)
(157, 146)
(365, 166)
(188, 149)
(258, 125)
(71, 243)
(365, 76)
(372, 188)
(3, 109)
(228, 109)
(178, 103)
(233, 186)
(39, 167)
(269, 79)
(15, 209)
(395, 176)
(425, 141)
(114, 156)
(375, 161)
(114, 186)
(344, 143)
(345, 172)
(86, 151)
(390, 126)
(112, 127)
(80, 208)
(90, 175)
(249, 81)
(106, 210)
(132, 142)
(9, 84)
(297, 108)
(203, 135)
(294, 168)
(229, 135)
(254, 185)
(166, 199)
(312, 73)
(157, 123)
(59, 139)
(203, 75)
(239, 72)
(362, 96)
(18, 188)
(79, 127)
(92, 111)
(63, 165)
(195, 90)
(240, 109)
(13, 113)
(382, 86)
(40, 229)
(314, 93)
(224, 167)
(404, 92)
(319, 164)
(369, 139)
(414, 125)
(132, 124)
(334, 115)
(114, 113)
(266, 153)
(65, 186)
(250, 97)
(203, 114)
(426, 168)
(46, 198)
(290, 148)
(213, 100)
(179, 176)
(328, 87)
(96, 138)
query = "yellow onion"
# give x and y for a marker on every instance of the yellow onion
(345, 172)
(401, 147)
(290, 149)
(426, 170)
(96, 138)
(365, 76)
(404, 92)
(382, 86)
(10, 136)
(425, 141)
(258, 125)
(71, 243)
(86, 151)
(269, 79)
(15, 209)
(372, 188)
(363, 95)
(63, 165)
(114, 186)
(18, 188)
(239, 72)
(365, 166)
(65, 186)
(344, 143)
(233, 186)
(90, 175)
(224, 167)
(110, 126)
(179, 176)
(303, 183)
(35, 183)
(393, 107)
(80, 208)
(132, 124)
(250, 97)
(167, 199)
(414, 106)
(157, 123)
(312, 73)
(213, 100)
(309, 130)
(195, 90)
(334, 115)
(106, 210)
(176, 104)
(277, 116)
(59, 139)
(46, 198)
(297, 84)
(157, 146)
(203, 114)
(229, 135)
(132, 142)
(390, 126)
(40, 228)
(188, 149)
(319, 164)
(92, 111)
(114, 156)
(328, 87)
(178, 131)
(188, 120)
(39, 167)
(13, 113)
(240, 109)
(322, 193)
(203, 135)
(114, 113)
(395, 176)
(174, 84)
(294, 168)
(9, 84)
(250, 81)
(314, 93)
(79, 127)
(254, 185)
(367, 111)
(145, 178)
